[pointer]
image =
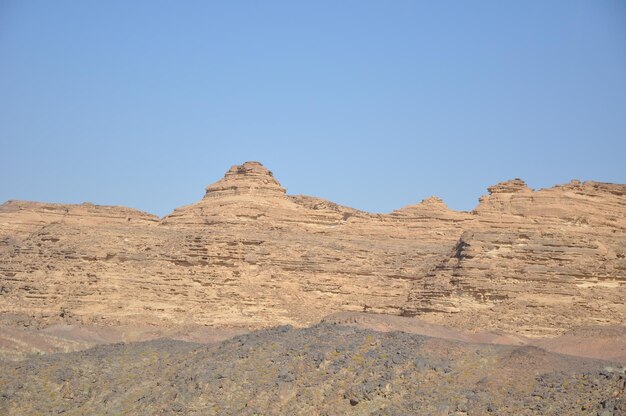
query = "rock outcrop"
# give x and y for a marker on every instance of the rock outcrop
(249, 255)
(535, 262)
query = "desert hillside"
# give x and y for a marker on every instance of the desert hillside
(321, 370)
(248, 255)
(517, 307)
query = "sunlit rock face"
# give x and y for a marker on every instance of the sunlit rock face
(250, 255)
(251, 178)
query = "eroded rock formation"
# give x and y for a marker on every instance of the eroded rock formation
(249, 255)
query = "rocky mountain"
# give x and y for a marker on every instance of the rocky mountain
(248, 256)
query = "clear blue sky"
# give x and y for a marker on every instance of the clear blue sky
(372, 104)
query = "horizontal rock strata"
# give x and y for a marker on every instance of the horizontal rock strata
(249, 255)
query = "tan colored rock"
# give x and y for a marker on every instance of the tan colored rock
(248, 255)
(535, 262)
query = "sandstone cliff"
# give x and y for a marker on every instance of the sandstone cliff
(249, 255)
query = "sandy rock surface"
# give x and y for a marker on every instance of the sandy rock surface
(248, 255)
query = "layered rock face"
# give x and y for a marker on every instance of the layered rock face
(249, 255)
(535, 262)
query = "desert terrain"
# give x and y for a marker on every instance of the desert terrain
(254, 301)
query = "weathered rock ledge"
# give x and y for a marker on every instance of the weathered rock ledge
(248, 255)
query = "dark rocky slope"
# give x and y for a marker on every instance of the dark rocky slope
(326, 369)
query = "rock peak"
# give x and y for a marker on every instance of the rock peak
(433, 201)
(249, 168)
(248, 178)
(509, 187)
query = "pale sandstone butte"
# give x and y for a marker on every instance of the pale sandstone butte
(249, 255)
